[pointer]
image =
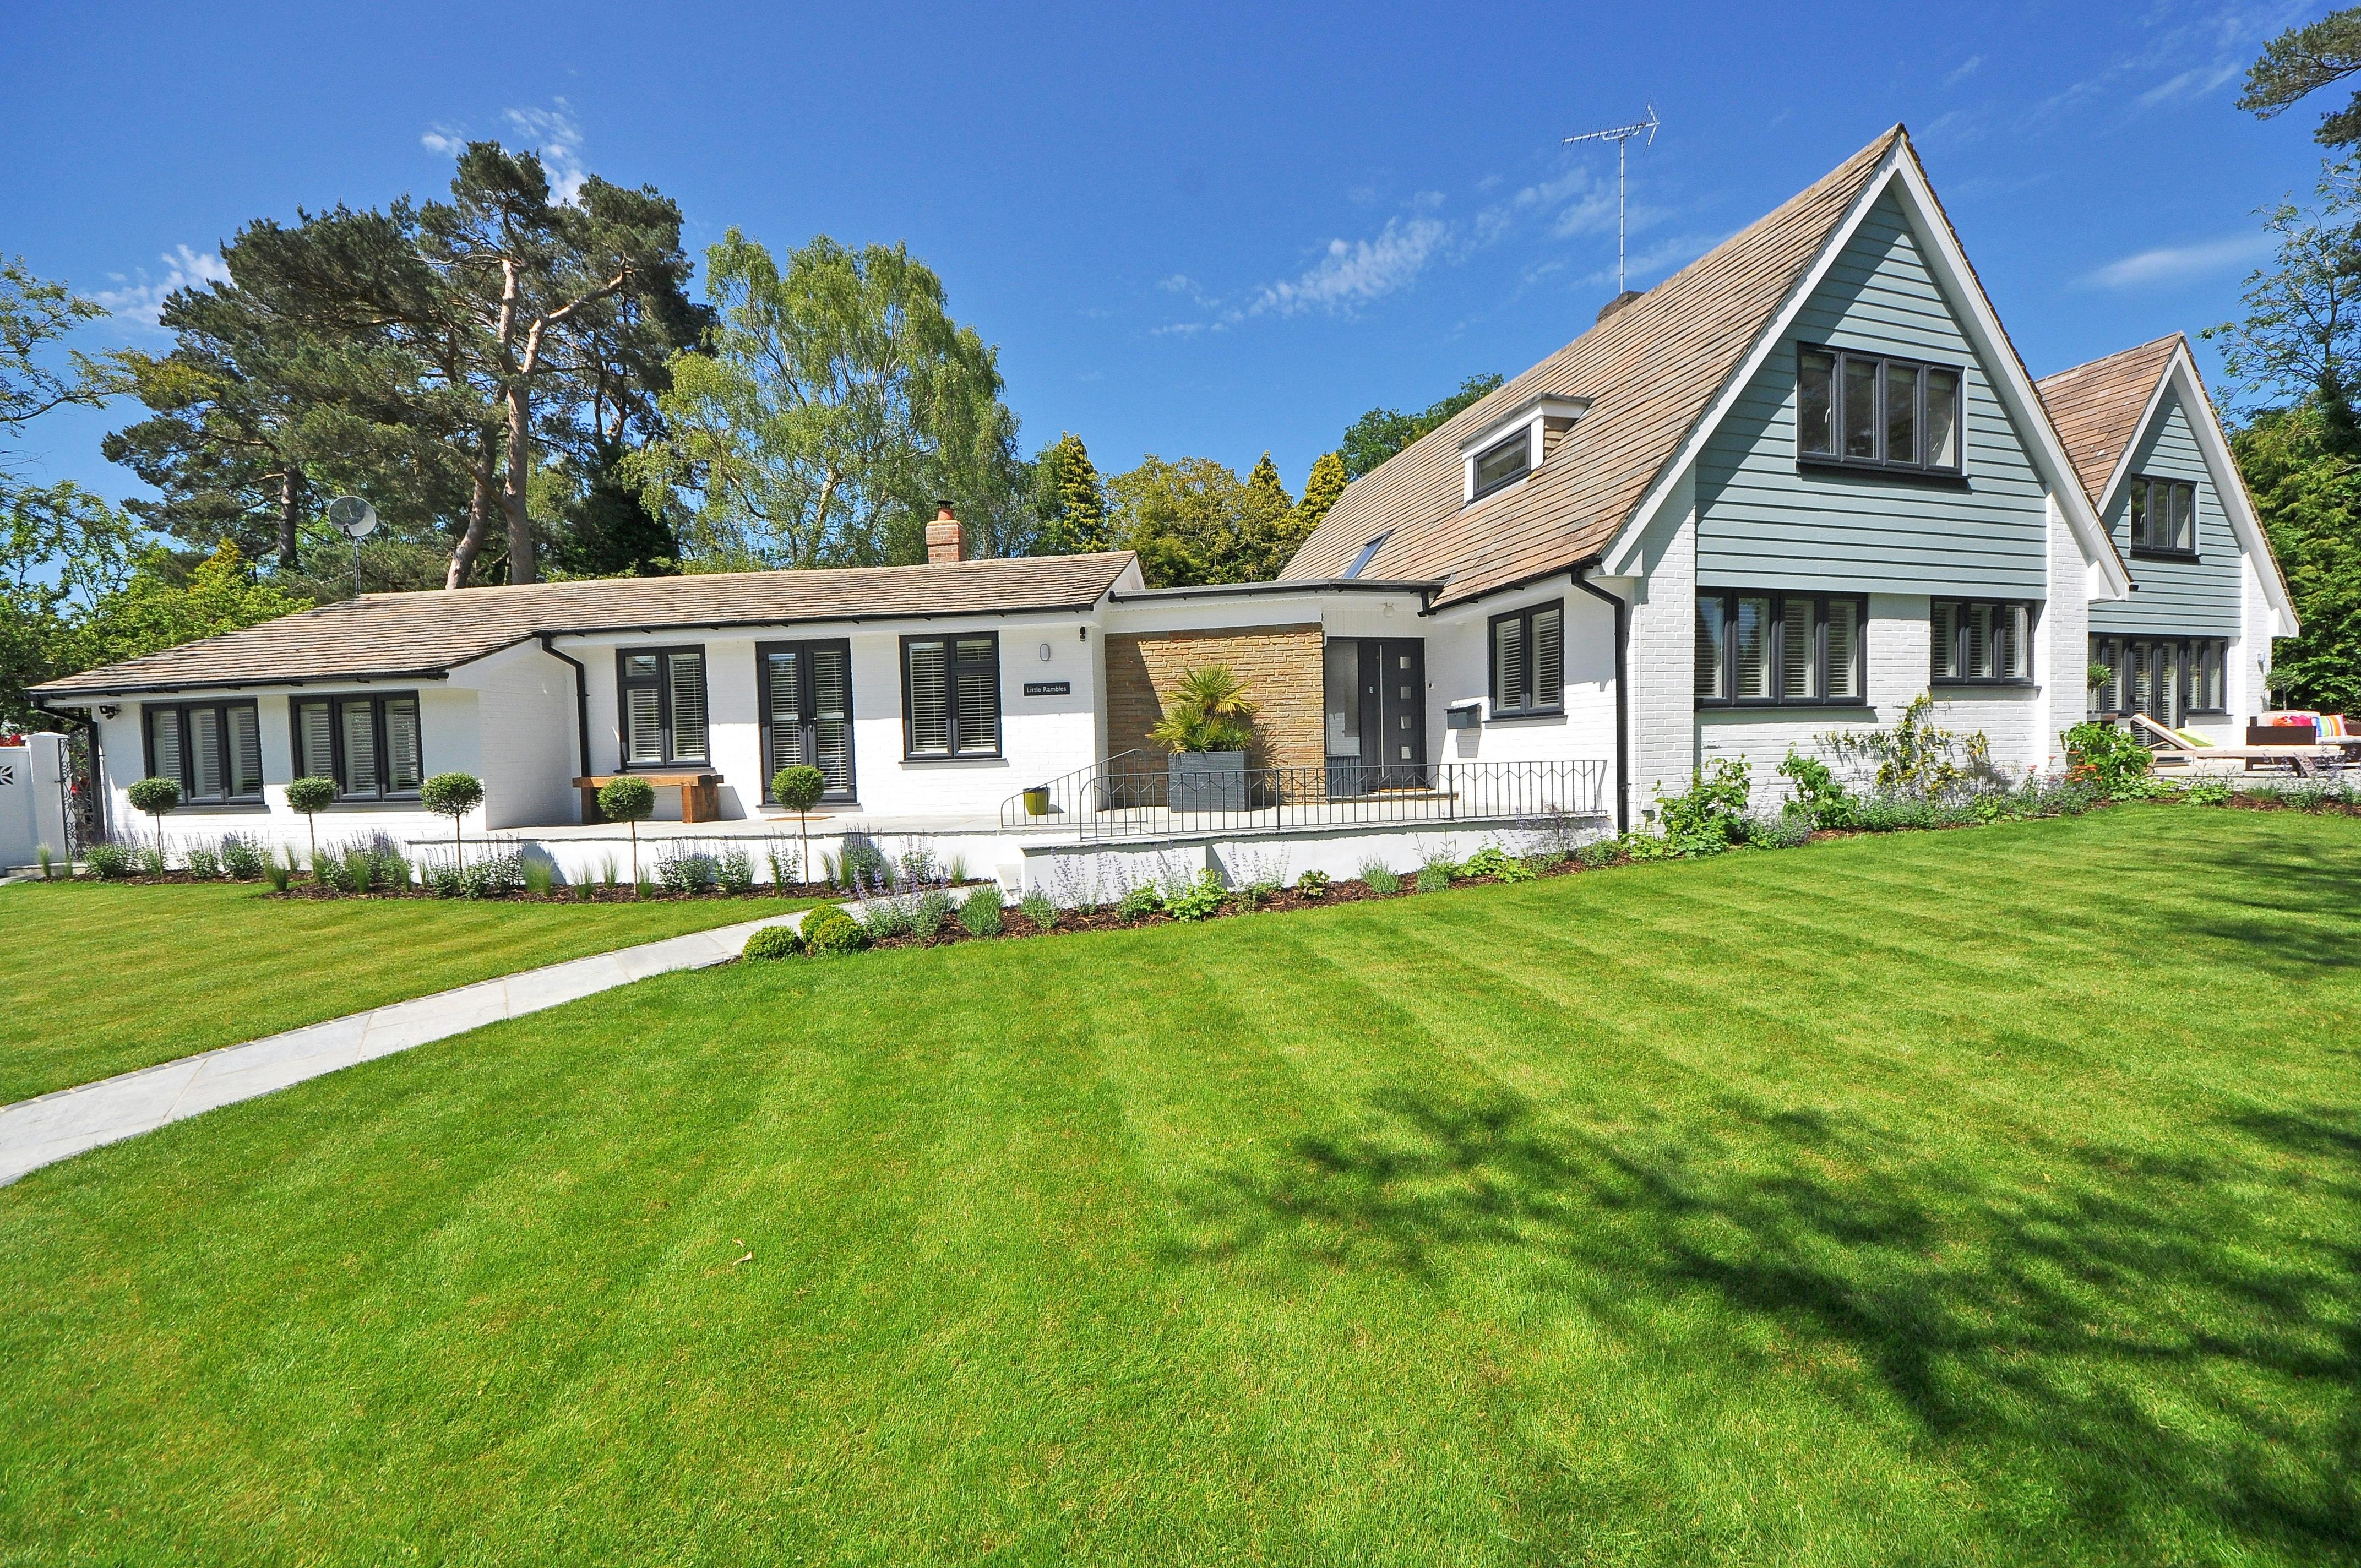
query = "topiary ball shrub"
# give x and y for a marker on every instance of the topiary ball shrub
(155, 797)
(311, 795)
(626, 800)
(831, 930)
(772, 942)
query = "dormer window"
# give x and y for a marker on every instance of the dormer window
(1500, 455)
(1504, 463)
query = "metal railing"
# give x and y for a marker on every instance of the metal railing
(1137, 794)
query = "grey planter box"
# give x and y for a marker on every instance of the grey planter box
(1206, 781)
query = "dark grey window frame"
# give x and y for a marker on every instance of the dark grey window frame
(1835, 458)
(951, 640)
(1525, 635)
(672, 758)
(148, 712)
(806, 702)
(338, 702)
(2105, 643)
(1524, 437)
(1777, 648)
(2032, 609)
(2147, 548)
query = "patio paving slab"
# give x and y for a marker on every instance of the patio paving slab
(51, 1127)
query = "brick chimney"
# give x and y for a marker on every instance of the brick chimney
(944, 541)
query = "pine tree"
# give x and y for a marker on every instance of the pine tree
(1320, 492)
(1072, 499)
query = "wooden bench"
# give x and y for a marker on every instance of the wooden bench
(700, 794)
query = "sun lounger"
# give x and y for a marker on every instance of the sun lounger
(2171, 745)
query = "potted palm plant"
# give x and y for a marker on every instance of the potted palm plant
(1207, 725)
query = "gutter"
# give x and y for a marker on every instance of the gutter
(581, 697)
(1424, 589)
(443, 672)
(1622, 696)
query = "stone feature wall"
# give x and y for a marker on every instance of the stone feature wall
(1279, 664)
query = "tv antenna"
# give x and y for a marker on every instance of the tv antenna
(1619, 136)
(356, 519)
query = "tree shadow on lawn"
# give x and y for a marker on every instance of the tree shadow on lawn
(2292, 914)
(2134, 1339)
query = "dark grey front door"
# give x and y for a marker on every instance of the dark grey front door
(1393, 712)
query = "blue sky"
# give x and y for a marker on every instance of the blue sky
(1190, 231)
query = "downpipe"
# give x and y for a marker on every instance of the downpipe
(1622, 698)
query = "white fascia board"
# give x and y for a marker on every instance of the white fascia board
(1985, 335)
(2180, 376)
(1547, 405)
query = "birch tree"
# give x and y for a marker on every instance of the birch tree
(838, 402)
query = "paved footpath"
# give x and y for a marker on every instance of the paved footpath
(39, 1131)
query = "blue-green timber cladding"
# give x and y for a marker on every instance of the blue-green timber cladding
(2197, 597)
(1763, 523)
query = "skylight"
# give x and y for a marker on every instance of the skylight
(1362, 559)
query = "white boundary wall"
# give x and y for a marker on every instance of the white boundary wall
(32, 808)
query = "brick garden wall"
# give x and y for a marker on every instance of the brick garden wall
(1279, 664)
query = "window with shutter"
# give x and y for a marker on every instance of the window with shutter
(404, 764)
(358, 736)
(1508, 691)
(1712, 650)
(950, 696)
(1750, 631)
(1798, 650)
(976, 721)
(661, 699)
(808, 712)
(212, 750)
(686, 678)
(164, 760)
(1529, 661)
(316, 747)
(1844, 661)
(1979, 642)
(246, 750)
(927, 701)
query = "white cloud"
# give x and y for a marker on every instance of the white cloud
(2190, 51)
(2179, 263)
(1178, 283)
(551, 133)
(141, 300)
(2194, 82)
(1962, 70)
(1358, 272)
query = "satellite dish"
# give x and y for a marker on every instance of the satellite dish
(352, 516)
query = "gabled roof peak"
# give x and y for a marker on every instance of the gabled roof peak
(1651, 370)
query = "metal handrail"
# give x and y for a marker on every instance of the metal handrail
(1141, 794)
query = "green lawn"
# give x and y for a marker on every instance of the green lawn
(103, 978)
(1977, 1197)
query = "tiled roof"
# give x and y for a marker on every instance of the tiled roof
(2097, 408)
(427, 633)
(1649, 371)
